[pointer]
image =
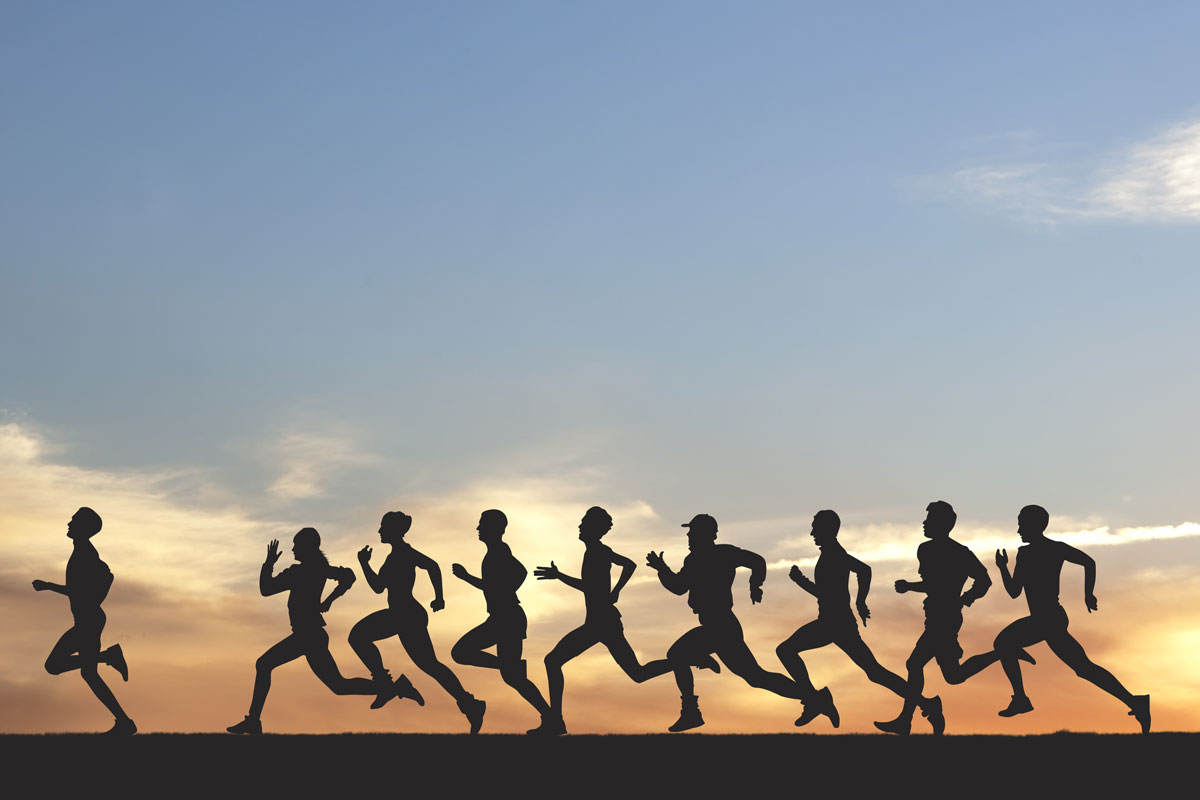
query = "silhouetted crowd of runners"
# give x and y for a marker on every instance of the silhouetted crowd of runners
(706, 577)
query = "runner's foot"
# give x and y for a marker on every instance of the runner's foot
(404, 688)
(1140, 710)
(933, 712)
(122, 727)
(252, 727)
(551, 726)
(900, 726)
(821, 703)
(473, 708)
(116, 659)
(1019, 705)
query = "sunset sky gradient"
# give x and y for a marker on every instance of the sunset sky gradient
(276, 265)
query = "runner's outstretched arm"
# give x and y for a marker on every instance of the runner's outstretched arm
(47, 586)
(802, 580)
(552, 573)
(460, 572)
(672, 581)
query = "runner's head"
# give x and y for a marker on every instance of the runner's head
(595, 523)
(702, 531)
(940, 519)
(393, 526)
(491, 525)
(1032, 522)
(825, 527)
(84, 525)
(306, 546)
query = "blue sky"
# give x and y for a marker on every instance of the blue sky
(721, 252)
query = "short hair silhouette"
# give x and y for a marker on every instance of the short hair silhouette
(1037, 516)
(494, 518)
(397, 521)
(90, 521)
(943, 512)
(827, 520)
(599, 516)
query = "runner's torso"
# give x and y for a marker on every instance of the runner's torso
(502, 575)
(399, 573)
(945, 566)
(305, 583)
(710, 572)
(1040, 567)
(88, 579)
(832, 577)
(596, 576)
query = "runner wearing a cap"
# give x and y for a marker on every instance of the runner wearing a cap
(707, 579)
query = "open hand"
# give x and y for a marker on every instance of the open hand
(549, 573)
(655, 561)
(273, 552)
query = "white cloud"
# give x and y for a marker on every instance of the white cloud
(308, 460)
(1157, 180)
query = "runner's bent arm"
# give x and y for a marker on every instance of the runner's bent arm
(627, 567)
(981, 583)
(1089, 574)
(345, 579)
(435, 578)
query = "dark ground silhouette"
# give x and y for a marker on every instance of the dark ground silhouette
(699, 765)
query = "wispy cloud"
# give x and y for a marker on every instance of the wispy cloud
(307, 460)
(1156, 180)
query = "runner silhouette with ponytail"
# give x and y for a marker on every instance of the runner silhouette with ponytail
(406, 618)
(304, 582)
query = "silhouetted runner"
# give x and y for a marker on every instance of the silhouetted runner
(602, 623)
(501, 575)
(944, 566)
(1037, 573)
(88, 581)
(304, 582)
(707, 579)
(835, 624)
(405, 617)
